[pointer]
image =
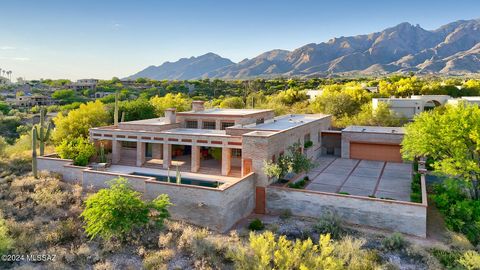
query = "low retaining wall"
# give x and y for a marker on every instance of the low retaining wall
(216, 208)
(405, 217)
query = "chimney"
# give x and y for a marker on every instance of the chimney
(170, 116)
(198, 105)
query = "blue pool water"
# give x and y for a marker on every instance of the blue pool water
(185, 181)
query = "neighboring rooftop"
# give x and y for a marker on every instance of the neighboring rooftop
(372, 129)
(287, 121)
(232, 112)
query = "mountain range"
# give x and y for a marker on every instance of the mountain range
(451, 49)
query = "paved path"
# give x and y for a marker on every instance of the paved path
(362, 177)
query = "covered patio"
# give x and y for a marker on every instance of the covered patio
(188, 158)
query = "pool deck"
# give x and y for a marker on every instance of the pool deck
(362, 177)
(123, 169)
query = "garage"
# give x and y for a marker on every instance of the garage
(375, 151)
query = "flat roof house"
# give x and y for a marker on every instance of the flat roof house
(217, 158)
(227, 142)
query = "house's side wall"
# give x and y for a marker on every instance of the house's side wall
(218, 210)
(261, 148)
(407, 218)
(368, 137)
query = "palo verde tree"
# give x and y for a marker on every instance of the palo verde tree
(451, 137)
(117, 210)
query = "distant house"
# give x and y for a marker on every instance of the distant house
(29, 101)
(409, 107)
(84, 84)
(371, 89)
(313, 94)
(102, 94)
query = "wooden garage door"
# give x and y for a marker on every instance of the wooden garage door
(370, 151)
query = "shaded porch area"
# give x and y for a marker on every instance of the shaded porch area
(188, 158)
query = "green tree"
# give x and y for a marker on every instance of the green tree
(115, 211)
(65, 94)
(179, 101)
(232, 103)
(451, 137)
(4, 108)
(80, 150)
(137, 109)
(78, 122)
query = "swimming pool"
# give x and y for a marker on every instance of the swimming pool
(185, 181)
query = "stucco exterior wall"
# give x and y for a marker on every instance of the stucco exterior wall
(409, 218)
(212, 208)
(261, 148)
(367, 137)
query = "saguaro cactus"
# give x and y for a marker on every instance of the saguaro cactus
(103, 159)
(34, 152)
(115, 112)
(43, 132)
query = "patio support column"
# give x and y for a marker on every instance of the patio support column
(157, 150)
(195, 158)
(140, 154)
(226, 160)
(218, 124)
(116, 149)
(167, 155)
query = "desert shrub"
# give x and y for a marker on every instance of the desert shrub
(462, 214)
(349, 251)
(6, 242)
(48, 194)
(394, 242)
(80, 150)
(459, 241)
(256, 225)
(308, 144)
(449, 259)
(115, 211)
(286, 214)
(416, 194)
(329, 223)
(265, 252)
(470, 260)
(158, 259)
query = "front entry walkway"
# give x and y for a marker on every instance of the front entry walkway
(380, 179)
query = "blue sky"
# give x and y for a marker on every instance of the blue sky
(104, 38)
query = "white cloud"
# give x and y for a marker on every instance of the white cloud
(7, 48)
(19, 59)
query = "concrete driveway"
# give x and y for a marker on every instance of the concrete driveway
(362, 177)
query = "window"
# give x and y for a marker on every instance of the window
(191, 124)
(260, 121)
(129, 144)
(236, 153)
(209, 125)
(227, 124)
